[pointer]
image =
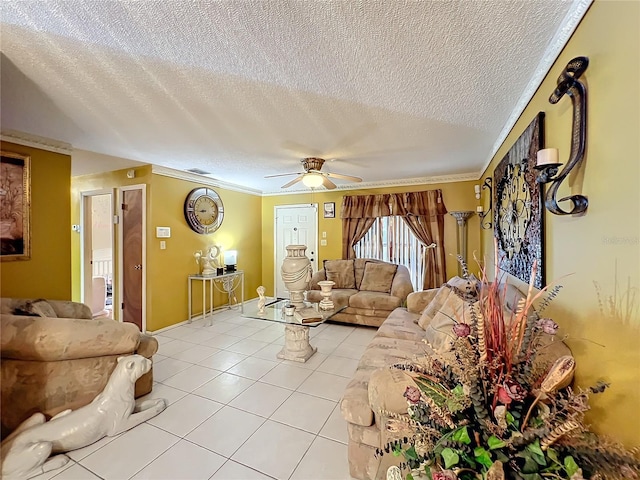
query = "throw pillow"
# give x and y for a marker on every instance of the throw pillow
(36, 308)
(378, 277)
(440, 333)
(434, 306)
(341, 272)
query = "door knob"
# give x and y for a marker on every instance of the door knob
(137, 267)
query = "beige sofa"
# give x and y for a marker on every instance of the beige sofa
(370, 289)
(400, 339)
(56, 357)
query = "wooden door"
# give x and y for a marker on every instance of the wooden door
(295, 225)
(132, 257)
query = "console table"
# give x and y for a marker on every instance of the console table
(227, 282)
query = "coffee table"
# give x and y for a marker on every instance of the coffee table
(296, 334)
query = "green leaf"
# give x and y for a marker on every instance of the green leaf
(483, 456)
(396, 453)
(570, 465)
(409, 476)
(462, 436)
(553, 455)
(530, 465)
(531, 476)
(494, 442)
(450, 457)
(536, 452)
(510, 418)
(410, 453)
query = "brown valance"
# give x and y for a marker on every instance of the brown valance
(423, 204)
(366, 206)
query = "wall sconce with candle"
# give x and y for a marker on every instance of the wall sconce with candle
(547, 159)
(486, 224)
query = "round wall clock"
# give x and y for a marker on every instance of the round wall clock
(203, 210)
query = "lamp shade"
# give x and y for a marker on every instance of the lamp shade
(230, 257)
(312, 180)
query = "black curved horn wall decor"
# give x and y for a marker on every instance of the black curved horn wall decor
(569, 84)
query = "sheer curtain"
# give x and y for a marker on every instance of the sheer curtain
(423, 212)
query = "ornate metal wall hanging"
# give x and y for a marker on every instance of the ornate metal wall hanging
(517, 205)
(568, 84)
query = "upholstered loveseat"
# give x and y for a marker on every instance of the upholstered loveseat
(370, 289)
(376, 387)
(56, 357)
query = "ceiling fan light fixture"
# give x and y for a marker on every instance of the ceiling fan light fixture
(312, 180)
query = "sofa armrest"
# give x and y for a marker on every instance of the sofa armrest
(386, 390)
(68, 309)
(418, 301)
(55, 339)
(319, 276)
(401, 285)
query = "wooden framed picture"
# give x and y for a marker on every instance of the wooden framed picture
(329, 210)
(15, 204)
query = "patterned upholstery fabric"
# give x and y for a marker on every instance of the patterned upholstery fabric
(401, 325)
(378, 277)
(364, 307)
(341, 272)
(53, 364)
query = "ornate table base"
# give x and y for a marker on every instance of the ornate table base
(296, 344)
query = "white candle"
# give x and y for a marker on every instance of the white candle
(547, 156)
(479, 209)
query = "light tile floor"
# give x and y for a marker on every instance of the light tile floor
(236, 412)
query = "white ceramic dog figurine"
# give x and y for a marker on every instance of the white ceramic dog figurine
(25, 453)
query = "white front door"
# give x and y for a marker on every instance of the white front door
(295, 225)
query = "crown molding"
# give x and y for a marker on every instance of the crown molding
(202, 179)
(462, 177)
(569, 24)
(29, 140)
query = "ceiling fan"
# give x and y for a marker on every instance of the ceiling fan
(312, 177)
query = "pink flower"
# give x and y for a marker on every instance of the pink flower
(515, 391)
(412, 394)
(503, 396)
(444, 475)
(547, 326)
(461, 329)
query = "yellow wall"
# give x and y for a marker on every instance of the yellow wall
(48, 273)
(167, 270)
(456, 196)
(603, 245)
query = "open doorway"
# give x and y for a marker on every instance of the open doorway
(97, 258)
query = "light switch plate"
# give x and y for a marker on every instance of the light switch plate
(163, 232)
(163, 245)
(323, 243)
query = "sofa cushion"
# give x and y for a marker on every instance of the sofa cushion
(436, 304)
(378, 277)
(384, 351)
(341, 272)
(42, 308)
(439, 333)
(374, 301)
(401, 324)
(339, 297)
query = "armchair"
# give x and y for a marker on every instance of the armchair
(60, 358)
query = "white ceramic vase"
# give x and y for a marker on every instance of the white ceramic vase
(296, 273)
(325, 290)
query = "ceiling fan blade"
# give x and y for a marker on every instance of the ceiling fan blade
(282, 174)
(328, 184)
(343, 177)
(292, 182)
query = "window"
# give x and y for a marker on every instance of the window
(391, 240)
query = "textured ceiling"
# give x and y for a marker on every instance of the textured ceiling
(394, 91)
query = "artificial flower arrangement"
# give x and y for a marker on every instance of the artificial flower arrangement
(491, 412)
